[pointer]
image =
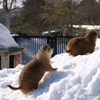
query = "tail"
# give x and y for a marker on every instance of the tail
(13, 88)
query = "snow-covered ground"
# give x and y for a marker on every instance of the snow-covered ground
(77, 78)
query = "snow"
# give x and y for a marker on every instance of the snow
(77, 78)
(14, 35)
(89, 27)
(6, 40)
(52, 31)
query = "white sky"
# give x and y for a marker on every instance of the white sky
(20, 1)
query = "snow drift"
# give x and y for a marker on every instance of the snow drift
(77, 78)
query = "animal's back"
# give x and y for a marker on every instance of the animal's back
(31, 72)
(80, 45)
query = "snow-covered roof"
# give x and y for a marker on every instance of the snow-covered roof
(52, 31)
(89, 27)
(6, 40)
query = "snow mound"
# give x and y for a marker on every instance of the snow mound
(6, 40)
(77, 78)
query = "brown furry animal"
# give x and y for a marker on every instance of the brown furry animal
(34, 70)
(82, 45)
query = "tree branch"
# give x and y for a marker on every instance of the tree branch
(5, 6)
(11, 4)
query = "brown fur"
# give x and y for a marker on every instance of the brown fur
(34, 70)
(82, 45)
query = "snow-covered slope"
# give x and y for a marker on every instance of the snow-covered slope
(77, 78)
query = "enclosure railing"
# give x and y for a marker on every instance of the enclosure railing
(31, 45)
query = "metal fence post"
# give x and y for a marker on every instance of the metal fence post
(52, 41)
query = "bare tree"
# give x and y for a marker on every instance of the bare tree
(7, 8)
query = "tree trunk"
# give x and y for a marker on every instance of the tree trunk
(8, 20)
(7, 11)
(71, 25)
